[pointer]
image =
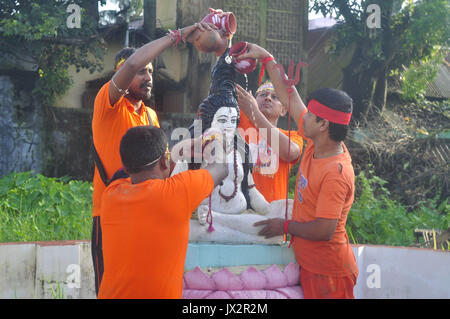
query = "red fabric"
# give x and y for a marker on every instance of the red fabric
(286, 226)
(263, 67)
(329, 114)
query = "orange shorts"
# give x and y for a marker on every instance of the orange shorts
(317, 286)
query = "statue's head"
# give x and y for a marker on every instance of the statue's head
(220, 109)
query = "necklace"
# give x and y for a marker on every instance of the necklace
(228, 198)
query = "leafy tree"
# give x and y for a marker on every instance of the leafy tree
(128, 10)
(410, 32)
(134, 8)
(38, 31)
(417, 75)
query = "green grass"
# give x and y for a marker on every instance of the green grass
(38, 208)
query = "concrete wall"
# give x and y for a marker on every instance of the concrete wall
(46, 270)
(401, 272)
(38, 270)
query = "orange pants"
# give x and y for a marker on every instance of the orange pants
(317, 286)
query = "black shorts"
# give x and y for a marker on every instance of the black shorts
(97, 252)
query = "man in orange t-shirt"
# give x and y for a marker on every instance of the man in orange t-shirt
(271, 157)
(324, 192)
(145, 218)
(118, 106)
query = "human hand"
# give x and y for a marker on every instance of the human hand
(213, 146)
(216, 11)
(273, 227)
(187, 34)
(202, 214)
(254, 51)
(247, 103)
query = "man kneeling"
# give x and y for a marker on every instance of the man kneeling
(145, 218)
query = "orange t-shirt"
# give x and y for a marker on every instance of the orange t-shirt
(324, 189)
(145, 233)
(270, 173)
(109, 124)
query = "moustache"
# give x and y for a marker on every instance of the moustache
(145, 84)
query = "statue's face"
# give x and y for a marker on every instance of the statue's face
(225, 120)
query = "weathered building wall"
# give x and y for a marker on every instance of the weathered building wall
(67, 140)
(21, 124)
(48, 140)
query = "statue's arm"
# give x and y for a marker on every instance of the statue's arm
(257, 200)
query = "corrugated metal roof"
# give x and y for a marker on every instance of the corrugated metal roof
(440, 87)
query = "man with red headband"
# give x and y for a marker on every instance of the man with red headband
(324, 191)
(119, 106)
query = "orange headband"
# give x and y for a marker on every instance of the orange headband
(329, 114)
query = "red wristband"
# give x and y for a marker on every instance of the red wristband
(264, 61)
(286, 225)
(175, 36)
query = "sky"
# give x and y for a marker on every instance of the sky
(109, 6)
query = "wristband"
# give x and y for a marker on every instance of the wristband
(178, 35)
(264, 61)
(175, 36)
(121, 91)
(286, 225)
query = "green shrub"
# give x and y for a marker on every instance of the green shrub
(417, 75)
(38, 208)
(377, 219)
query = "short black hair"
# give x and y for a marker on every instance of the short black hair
(337, 100)
(125, 53)
(142, 145)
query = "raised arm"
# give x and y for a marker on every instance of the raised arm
(247, 104)
(142, 57)
(297, 105)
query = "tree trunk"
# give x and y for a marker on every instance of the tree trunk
(359, 82)
(92, 9)
(150, 18)
(380, 94)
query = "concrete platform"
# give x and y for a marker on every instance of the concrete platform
(64, 269)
